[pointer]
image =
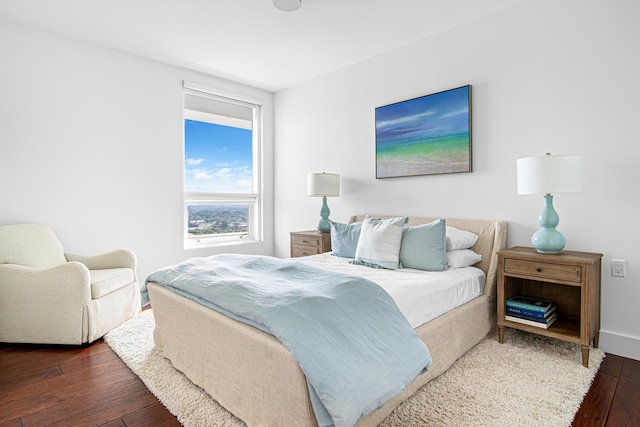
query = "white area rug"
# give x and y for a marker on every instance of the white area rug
(528, 380)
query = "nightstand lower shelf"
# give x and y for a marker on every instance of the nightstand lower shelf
(563, 328)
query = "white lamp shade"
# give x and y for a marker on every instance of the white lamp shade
(549, 174)
(323, 184)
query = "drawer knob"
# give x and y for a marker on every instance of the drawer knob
(539, 270)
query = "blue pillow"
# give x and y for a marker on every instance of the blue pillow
(424, 246)
(379, 243)
(344, 239)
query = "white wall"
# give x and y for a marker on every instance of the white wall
(91, 145)
(547, 76)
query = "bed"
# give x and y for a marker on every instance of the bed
(255, 377)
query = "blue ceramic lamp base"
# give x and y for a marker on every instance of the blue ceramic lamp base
(323, 224)
(548, 240)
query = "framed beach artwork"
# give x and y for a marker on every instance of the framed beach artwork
(425, 136)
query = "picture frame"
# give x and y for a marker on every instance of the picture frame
(427, 135)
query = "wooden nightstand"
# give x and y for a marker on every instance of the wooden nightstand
(304, 243)
(571, 280)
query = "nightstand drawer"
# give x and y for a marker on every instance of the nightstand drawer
(305, 242)
(298, 251)
(568, 273)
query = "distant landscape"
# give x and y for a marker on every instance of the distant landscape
(216, 219)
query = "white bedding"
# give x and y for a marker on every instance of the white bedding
(420, 295)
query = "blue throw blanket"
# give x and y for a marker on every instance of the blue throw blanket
(352, 342)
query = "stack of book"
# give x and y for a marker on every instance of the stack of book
(531, 311)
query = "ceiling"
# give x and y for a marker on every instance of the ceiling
(250, 41)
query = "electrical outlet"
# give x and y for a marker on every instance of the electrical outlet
(618, 268)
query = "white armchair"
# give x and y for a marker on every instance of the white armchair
(51, 297)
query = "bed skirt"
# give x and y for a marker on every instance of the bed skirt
(254, 376)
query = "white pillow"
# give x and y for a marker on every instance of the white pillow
(462, 258)
(460, 239)
(379, 242)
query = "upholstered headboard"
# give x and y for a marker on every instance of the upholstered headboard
(492, 237)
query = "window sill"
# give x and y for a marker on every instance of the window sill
(214, 243)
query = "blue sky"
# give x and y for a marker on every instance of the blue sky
(218, 159)
(425, 117)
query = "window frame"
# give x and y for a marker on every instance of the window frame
(254, 200)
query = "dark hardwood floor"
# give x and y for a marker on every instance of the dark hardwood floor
(614, 397)
(91, 386)
(74, 386)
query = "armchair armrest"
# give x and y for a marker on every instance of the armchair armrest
(115, 259)
(44, 305)
(70, 280)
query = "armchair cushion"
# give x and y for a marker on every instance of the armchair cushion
(109, 280)
(30, 245)
(114, 259)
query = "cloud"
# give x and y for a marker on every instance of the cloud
(200, 174)
(463, 110)
(193, 162)
(223, 173)
(232, 178)
(399, 120)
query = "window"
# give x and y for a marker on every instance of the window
(222, 151)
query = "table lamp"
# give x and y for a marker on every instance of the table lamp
(549, 175)
(325, 185)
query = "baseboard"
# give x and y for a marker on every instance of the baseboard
(620, 344)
